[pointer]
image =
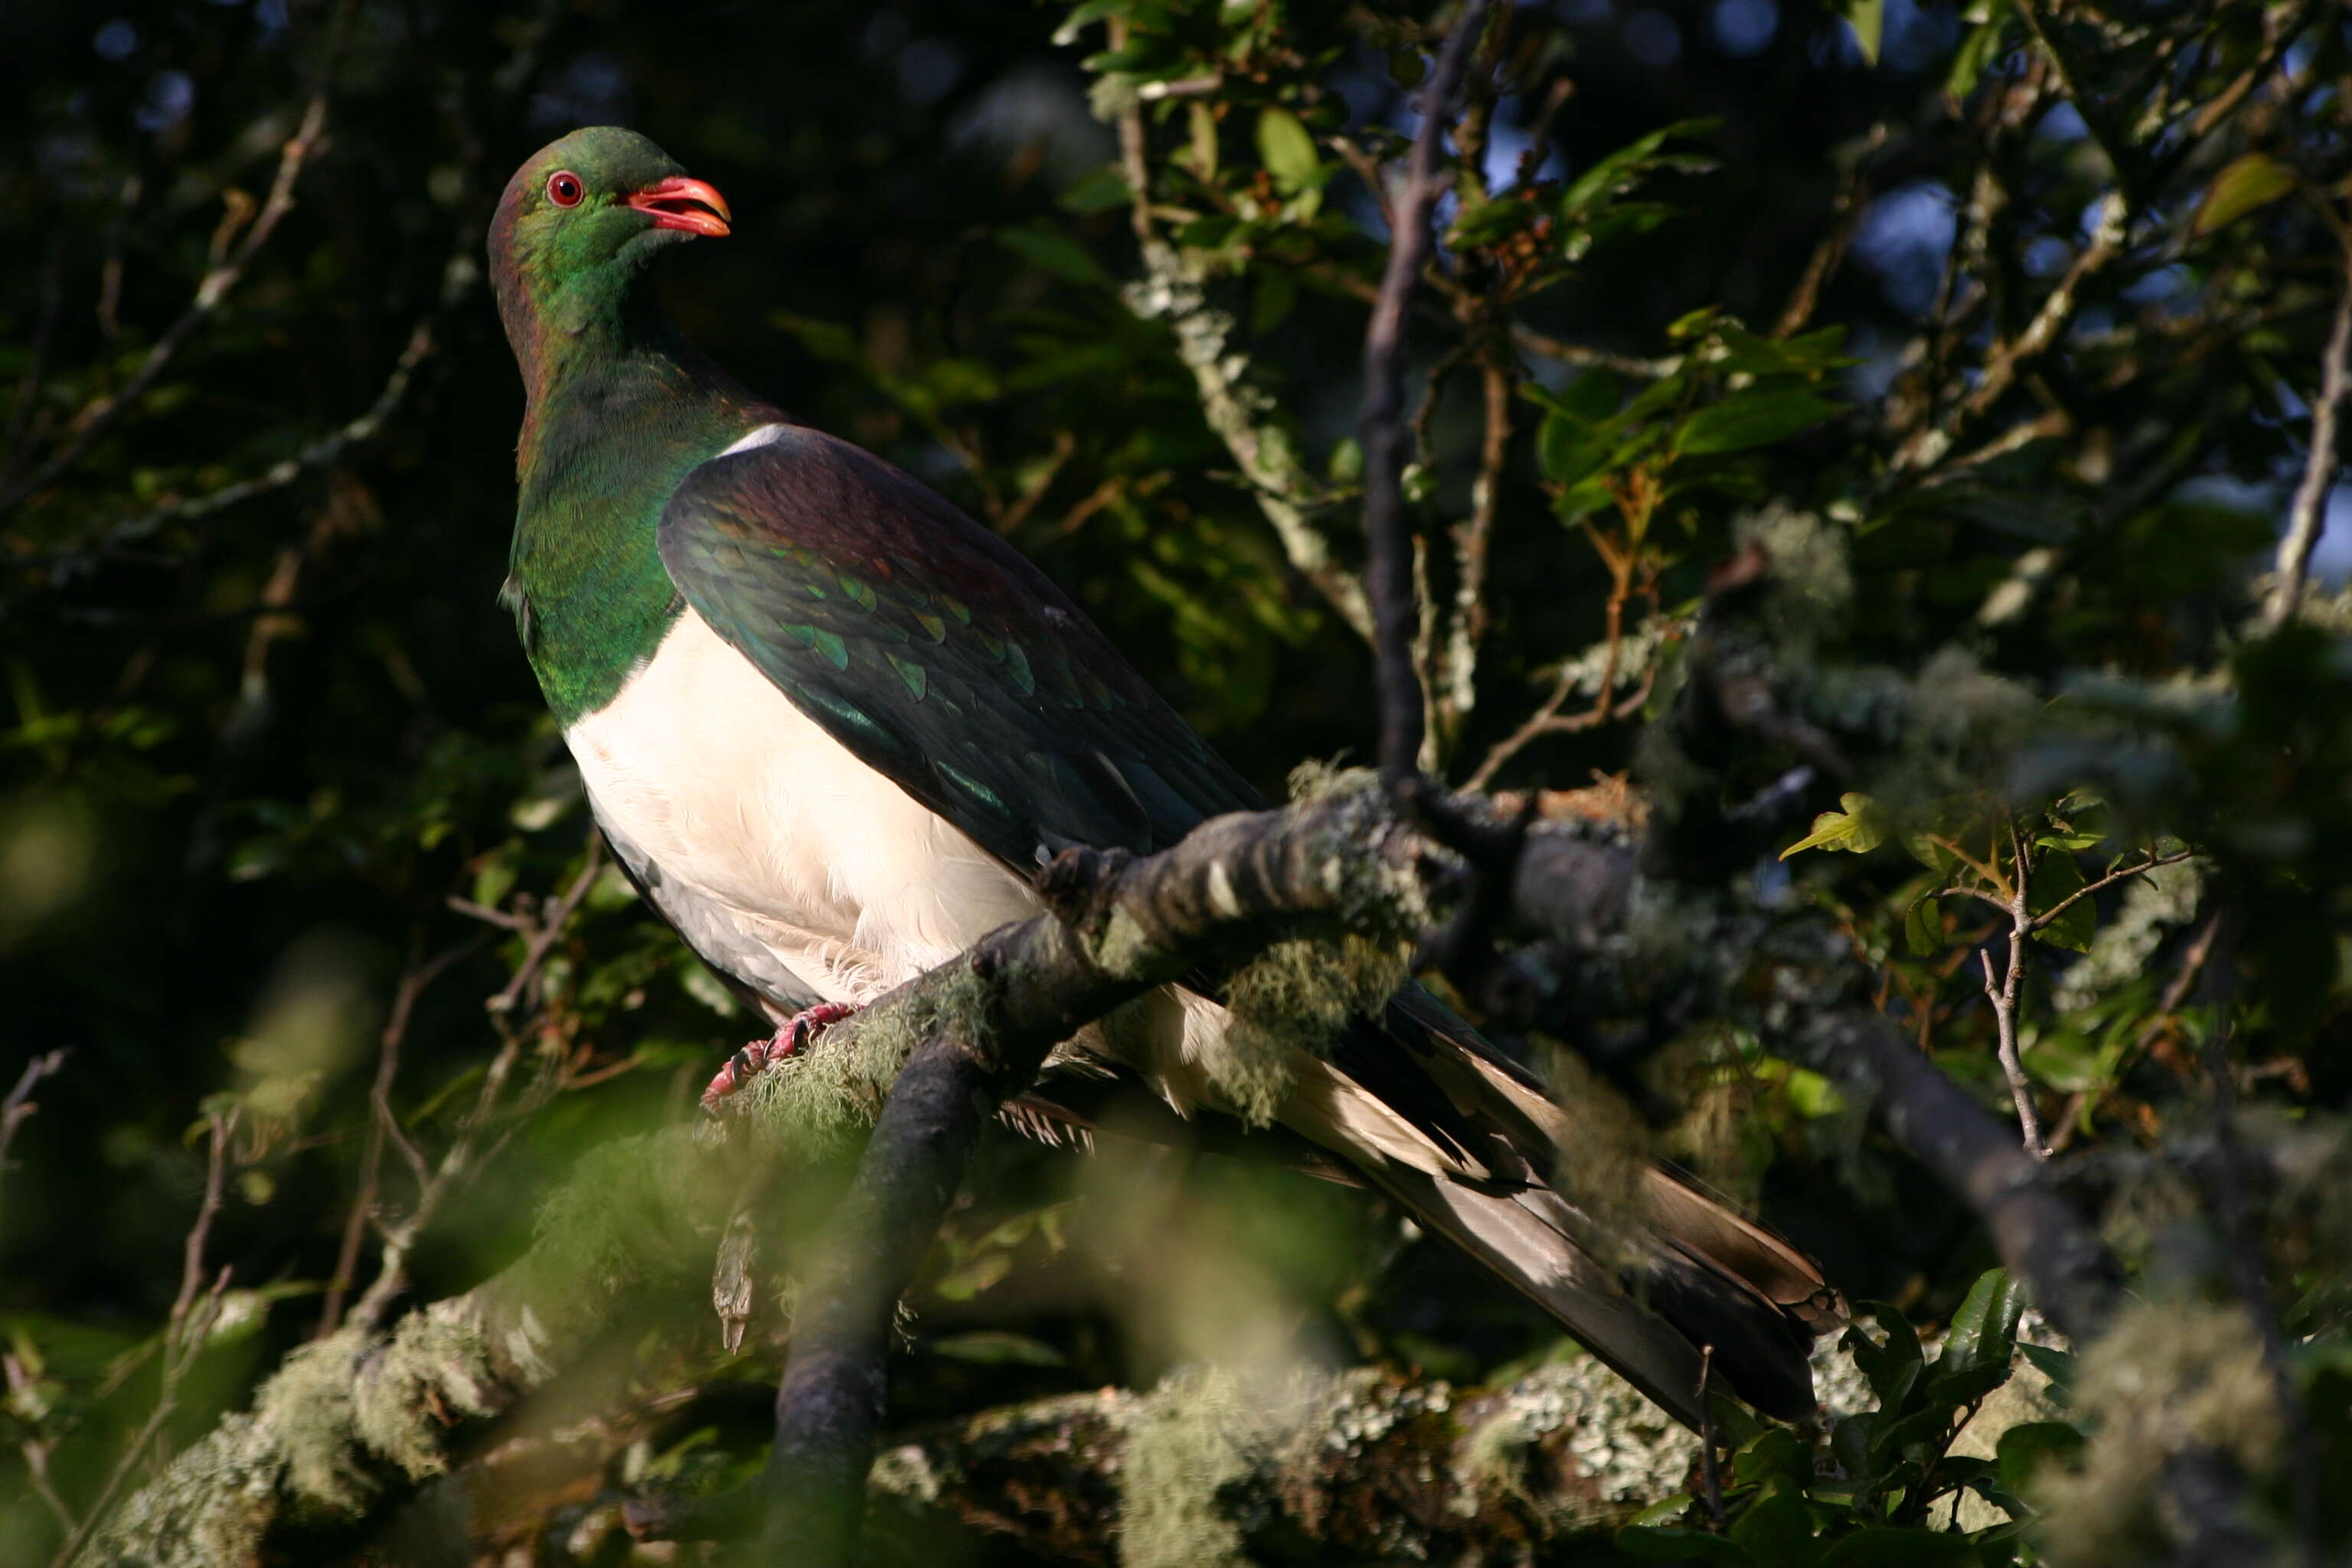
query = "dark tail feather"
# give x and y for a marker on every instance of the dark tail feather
(1645, 1298)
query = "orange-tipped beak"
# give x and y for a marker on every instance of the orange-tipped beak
(682, 203)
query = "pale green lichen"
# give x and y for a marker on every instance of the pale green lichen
(2154, 903)
(1810, 583)
(1603, 1154)
(1295, 996)
(819, 1103)
(1197, 1437)
(2171, 1375)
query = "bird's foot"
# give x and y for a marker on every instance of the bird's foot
(790, 1035)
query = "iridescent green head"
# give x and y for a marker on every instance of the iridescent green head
(576, 227)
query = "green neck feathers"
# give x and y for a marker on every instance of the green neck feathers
(619, 409)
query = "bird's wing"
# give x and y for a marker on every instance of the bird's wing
(935, 652)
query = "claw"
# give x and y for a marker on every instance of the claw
(791, 1037)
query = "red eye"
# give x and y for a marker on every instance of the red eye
(564, 189)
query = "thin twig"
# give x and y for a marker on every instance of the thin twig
(29, 386)
(2153, 863)
(2308, 516)
(551, 928)
(2175, 993)
(1710, 1466)
(1545, 346)
(1845, 213)
(1388, 574)
(2004, 994)
(1607, 706)
(225, 274)
(20, 1103)
(183, 1331)
(1457, 687)
(384, 1126)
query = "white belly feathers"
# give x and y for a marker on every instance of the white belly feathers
(731, 789)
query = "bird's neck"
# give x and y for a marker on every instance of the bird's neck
(619, 410)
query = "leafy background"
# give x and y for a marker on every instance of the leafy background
(280, 801)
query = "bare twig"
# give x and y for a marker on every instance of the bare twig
(2003, 994)
(1388, 575)
(193, 1311)
(1547, 720)
(20, 1103)
(1845, 214)
(2308, 515)
(1545, 346)
(115, 536)
(224, 275)
(551, 928)
(1238, 411)
(1457, 686)
(399, 1236)
(2123, 873)
(28, 386)
(1710, 1463)
(1932, 442)
(384, 1126)
(2176, 991)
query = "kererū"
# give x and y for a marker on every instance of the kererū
(831, 727)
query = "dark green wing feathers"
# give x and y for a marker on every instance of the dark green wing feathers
(938, 656)
(935, 653)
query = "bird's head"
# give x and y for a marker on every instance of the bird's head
(577, 225)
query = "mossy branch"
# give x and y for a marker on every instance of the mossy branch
(348, 1425)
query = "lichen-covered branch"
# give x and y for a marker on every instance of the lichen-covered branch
(355, 1421)
(1368, 1464)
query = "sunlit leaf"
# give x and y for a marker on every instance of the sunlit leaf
(2249, 181)
(1856, 827)
(1868, 20)
(1755, 418)
(1288, 148)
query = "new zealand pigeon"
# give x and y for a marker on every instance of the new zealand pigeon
(831, 727)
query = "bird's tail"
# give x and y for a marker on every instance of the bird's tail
(1675, 1282)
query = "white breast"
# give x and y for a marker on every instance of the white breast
(731, 789)
(707, 770)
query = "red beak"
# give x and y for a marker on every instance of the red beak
(689, 204)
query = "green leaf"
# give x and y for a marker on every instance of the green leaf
(1619, 172)
(1978, 50)
(1056, 253)
(1868, 20)
(1288, 148)
(2028, 1446)
(1098, 190)
(1347, 465)
(1894, 1367)
(997, 1348)
(1092, 11)
(2251, 181)
(1777, 1530)
(1665, 1509)
(1755, 418)
(1893, 1546)
(1774, 1452)
(1984, 1330)
(2057, 1365)
(1857, 829)
(1674, 1544)
(1592, 397)
(1922, 928)
(2057, 879)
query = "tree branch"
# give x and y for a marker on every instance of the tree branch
(223, 276)
(1388, 573)
(2308, 516)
